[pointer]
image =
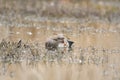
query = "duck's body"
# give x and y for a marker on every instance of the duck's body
(51, 44)
(59, 43)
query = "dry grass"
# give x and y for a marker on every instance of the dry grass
(31, 62)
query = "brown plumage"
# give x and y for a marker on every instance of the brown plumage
(57, 43)
(51, 44)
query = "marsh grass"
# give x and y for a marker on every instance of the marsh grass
(11, 52)
(33, 59)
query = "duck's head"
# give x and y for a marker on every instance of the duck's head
(60, 38)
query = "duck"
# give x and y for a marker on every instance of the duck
(59, 43)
